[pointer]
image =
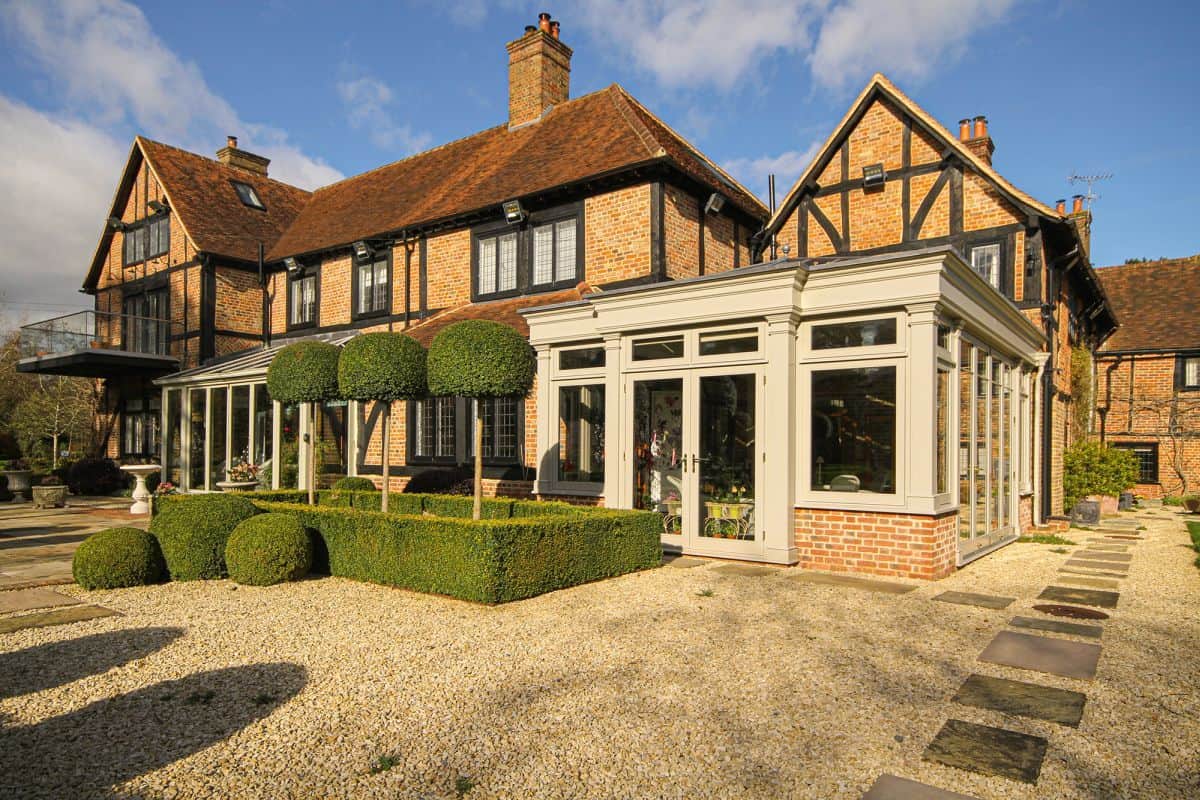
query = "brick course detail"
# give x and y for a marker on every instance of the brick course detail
(877, 542)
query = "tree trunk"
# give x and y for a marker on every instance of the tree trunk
(54, 455)
(478, 459)
(312, 454)
(387, 444)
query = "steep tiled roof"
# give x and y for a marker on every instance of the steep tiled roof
(589, 137)
(506, 312)
(1155, 303)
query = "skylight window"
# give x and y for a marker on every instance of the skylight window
(248, 196)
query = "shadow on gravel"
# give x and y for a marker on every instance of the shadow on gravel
(45, 666)
(85, 752)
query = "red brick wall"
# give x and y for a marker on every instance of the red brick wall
(878, 543)
(681, 232)
(617, 235)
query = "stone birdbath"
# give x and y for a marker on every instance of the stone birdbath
(140, 493)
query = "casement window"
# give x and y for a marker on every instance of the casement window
(536, 255)
(140, 426)
(496, 264)
(373, 285)
(302, 301)
(443, 430)
(554, 252)
(1187, 372)
(985, 260)
(144, 323)
(248, 195)
(853, 443)
(1146, 454)
(147, 239)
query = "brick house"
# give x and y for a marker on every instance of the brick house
(862, 381)
(1148, 373)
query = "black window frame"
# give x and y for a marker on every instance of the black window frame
(464, 445)
(304, 274)
(384, 255)
(134, 323)
(255, 201)
(150, 413)
(525, 251)
(1148, 466)
(141, 230)
(1181, 383)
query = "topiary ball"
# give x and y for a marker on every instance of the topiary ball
(192, 532)
(383, 366)
(480, 358)
(304, 372)
(269, 549)
(117, 558)
(349, 484)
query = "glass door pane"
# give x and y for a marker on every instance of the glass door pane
(331, 443)
(218, 455)
(726, 456)
(264, 423)
(197, 404)
(658, 452)
(289, 447)
(239, 425)
(172, 437)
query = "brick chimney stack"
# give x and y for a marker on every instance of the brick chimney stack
(1083, 222)
(231, 156)
(539, 72)
(976, 138)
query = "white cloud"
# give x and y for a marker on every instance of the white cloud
(367, 100)
(907, 40)
(786, 167)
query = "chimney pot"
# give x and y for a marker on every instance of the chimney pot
(539, 72)
(964, 129)
(544, 21)
(980, 127)
(1060, 206)
(231, 141)
(1076, 203)
(530, 28)
(554, 28)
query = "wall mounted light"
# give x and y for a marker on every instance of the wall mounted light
(715, 203)
(513, 212)
(116, 224)
(292, 265)
(362, 250)
(157, 206)
(874, 176)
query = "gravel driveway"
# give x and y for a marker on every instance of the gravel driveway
(633, 687)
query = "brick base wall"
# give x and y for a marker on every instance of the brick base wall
(1025, 513)
(878, 543)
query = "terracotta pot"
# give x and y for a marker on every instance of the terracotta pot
(1108, 505)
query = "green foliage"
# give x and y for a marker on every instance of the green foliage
(116, 558)
(1081, 391)
(354, 484)
(493, 560)
(382, 366)
(1092, 468)
(304, 372)
(1172, 500)
(267, 549)
(480, 358)
(96, 476)
(194, 529)
(1045, 538)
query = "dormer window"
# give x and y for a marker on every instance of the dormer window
(248, 196)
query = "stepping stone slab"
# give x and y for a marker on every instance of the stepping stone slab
(1057, 626)
(1022, 699)
(1106, 567)
(61, 616)
(683, 562)
(1109, 548)
(1073, 612)
(1091, 572)
(25, 599)
(972, 599)
(891, 787)
(1091, 583)
(1043, 654)
(1103, 555)
(1085, 597)
(746, 570)
(988, 750)
(887, 587)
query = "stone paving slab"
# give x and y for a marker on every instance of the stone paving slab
(1091, 583)
(891, 787)
(746, 570)
(1084, 597)
(1119, 570)
(683, 562)
(1022, 699)
(61, 616)
(1057, 626)
(1103, 555)
(26, 599)
(1094, 573)
(1108, 548)
(972, 599)
(988, 750)
(867, 584)
(1043, 654)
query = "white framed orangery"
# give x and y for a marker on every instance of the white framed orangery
(871, 414)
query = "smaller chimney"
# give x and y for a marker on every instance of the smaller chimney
(544, 21)
(231, 156)
(1061, 207)
(977, 141)
(1076, 203)
(1083, 222)
(554, 28)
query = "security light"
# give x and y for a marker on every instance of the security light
(513, 212)
(292, 265)
(157, 206)
(362, 249)
(116, 224)
(715, 203)
(873, 176)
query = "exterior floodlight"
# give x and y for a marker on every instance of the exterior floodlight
(873, 176)
(116, 224)
(362, 249)
(157, 206)
(715, 203)
(292, 265)
(513, 213)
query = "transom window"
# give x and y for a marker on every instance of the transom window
(863, 333)
(302, 301)
(147, 239)
(497, 264)
(248, 195)
(373, 286)
(554, 252)
(581, 358)
(985, 259)
(658, 348)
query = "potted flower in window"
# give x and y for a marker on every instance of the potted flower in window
(18, 474)
(51, 493)
(241, 477)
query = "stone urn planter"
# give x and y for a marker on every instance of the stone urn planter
(18, 483)
(237, 486)
(1191, 503)
(54, 496)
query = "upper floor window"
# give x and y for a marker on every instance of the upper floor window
(554, 252)
(147, 239)
(985, 259)
(372, 285)
(302, 301)
(496, 264)
(145, 322)
(1189, 372)
(248, 195)
(540, 253)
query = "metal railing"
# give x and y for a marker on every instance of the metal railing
(86, 330)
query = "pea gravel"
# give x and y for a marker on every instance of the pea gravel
(639, 686)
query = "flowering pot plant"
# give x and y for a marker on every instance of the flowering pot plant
(244, 471)
(165, 488)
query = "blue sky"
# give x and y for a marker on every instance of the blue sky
(331, 89)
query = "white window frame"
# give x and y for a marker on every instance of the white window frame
(805, 332)
(993, 276)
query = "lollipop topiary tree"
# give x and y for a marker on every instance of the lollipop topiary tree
(480, 359)
(383, 367)
(305, 372)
